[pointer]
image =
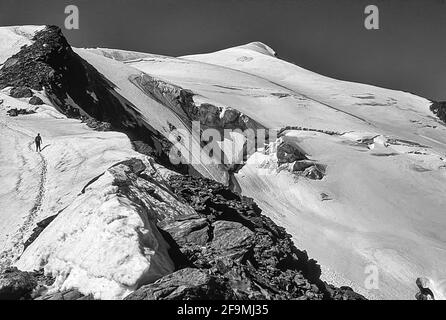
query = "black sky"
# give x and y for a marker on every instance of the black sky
(326, 36)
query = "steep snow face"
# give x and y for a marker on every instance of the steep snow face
(13, 38)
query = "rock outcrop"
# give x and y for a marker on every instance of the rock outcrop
(22, 285)
(35, 101)
(425, 291)
(439, 109)
(184, 284)
(14, 112)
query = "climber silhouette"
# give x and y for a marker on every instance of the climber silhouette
(38, 141)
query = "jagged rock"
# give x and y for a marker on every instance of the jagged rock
(439, 109)
(21, 92)
(35, 101)
(14, 112)
(288, 153)
(342, 293)
(71, 294)
(313, 172)
(192, 230)
(97, 125)
(185, 284)
(425, 292)
(325, 196)
(231, 238)
(16, 284)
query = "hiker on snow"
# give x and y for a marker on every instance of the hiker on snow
(38, 141)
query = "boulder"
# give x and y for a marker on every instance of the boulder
(184, 284)
(35, 101)
(425, 292)
(14, 112)
(288, 153)
(21, 92)
(302, 165)
(16, 284)
(71, 294)
(231, 239)
(194, 230)
(314, 173)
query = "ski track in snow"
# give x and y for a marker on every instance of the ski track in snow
(8, 257)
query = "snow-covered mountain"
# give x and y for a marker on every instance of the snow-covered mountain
(356, 175)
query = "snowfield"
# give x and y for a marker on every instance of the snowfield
(379, 204)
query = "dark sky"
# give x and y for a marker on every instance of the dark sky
(326, 36)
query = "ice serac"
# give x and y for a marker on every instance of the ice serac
(106, 243)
